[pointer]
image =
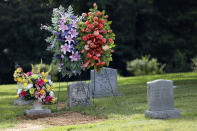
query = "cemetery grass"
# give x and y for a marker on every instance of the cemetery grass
(117, 113)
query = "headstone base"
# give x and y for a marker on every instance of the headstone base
(176, 113)
(106, 95)
(22, 102)
(34, 112)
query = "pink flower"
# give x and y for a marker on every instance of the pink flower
(48, 99)
(96, 33)
(90, 26)
(95, 18)
(102, 21)
(106, 47)
(40, 82)
(110, 40)
(99, 13)
(84, 38)
(90, 14)
(104, 40)
(29, 73)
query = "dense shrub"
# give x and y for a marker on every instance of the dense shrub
(194, 64)
(145, 66)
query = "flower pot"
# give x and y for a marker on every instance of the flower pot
(37, 105)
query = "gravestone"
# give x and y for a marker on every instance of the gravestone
(104, 83)
(79, 94)
(161, 100)
(20, 101)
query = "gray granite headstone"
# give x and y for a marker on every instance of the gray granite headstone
(161, 100)
(79, 94)
(104, 83)
(21, 102)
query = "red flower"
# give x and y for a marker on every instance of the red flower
(95, 18)
(103, 63)
(95, 23)
(84, 38)
(23, 93)
(90, 26)
(89, 55)
(101, 26)
(40, 82)
(102, 21)
(87, 22)
(104, 40)
(86, 64)
(110, 40)
(48, 99)
(106, 16)
(92, 64)
(87, 30)
(99, 37)
(99, 13)
(104, 31)
(90, 14)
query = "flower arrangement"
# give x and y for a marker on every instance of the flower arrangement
(96, 39)
(63, 41)
(35, 85)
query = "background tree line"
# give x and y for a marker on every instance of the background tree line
(164, 29)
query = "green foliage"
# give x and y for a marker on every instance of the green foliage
(54, 70)
(145, 66)
(194, 64)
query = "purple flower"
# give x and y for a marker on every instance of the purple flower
(74, 72)
(75, 56)
(58, 56)
(73, 17)
(68, 39)
(63, 34)
(73, 33)
(65, 48)
(74, 24)
(55, 33)
(63, 27)
(63, 18)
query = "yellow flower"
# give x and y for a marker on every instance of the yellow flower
(53, 101)
(17, 96)
(45, 80)
(42, 73)
(42, 91)
(25, 84)
(24, 80)
(51, 88)
(31, 91)
(19, 79)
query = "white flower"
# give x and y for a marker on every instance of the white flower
(19, 91)
(50, 82)
(51, 93)
(29, 86)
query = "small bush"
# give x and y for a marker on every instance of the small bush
(145, 66)
(194, 64)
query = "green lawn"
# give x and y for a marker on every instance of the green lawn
(127, 113)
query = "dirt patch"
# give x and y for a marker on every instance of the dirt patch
(68, 118)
